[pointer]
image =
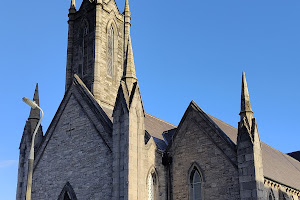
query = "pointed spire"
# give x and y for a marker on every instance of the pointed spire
(126, 8)
(129, 75)
(246, 110)
(35, 113)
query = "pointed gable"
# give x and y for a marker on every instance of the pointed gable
(77, 147)
(79, 94)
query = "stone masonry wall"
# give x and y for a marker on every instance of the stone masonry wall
(75, 153)
(193, 145)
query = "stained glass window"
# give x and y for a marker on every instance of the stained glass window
(110, 51)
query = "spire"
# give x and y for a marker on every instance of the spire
(129, 75)
(246, 110)
(126, 9)
(127, 19)
(35, 113)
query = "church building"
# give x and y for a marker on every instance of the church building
(103, 145)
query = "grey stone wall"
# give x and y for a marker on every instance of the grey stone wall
(197, 143)
(74, 153)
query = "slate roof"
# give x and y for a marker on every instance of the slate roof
(277, 165)
(153, 125)
(295, 155)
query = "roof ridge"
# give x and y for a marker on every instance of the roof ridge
(160, 120)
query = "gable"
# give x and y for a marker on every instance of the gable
(196, 120)
(199, 141)
(77, 151)
(86, 4)
(111, 6)
(89, 106)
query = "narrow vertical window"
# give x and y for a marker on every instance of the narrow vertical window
(150, 184)
(66, 196)
(110, 51)
(85, 50)
(67, 193)
(195, 185)
(271, 196)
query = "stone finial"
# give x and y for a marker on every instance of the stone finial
(35, 113)
(72, 9)
(129, 75)
(246, 110)
(73, 5)
(126, 9)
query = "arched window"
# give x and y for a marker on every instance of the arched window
(150, 185)
(195, 185)
(110, 51)
(66, 196)
(67, 193)
(85, 50)
(82, 67)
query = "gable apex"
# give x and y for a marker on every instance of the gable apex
(78, 90)
(193, 106)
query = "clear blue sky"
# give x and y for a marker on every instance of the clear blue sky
(184, 50)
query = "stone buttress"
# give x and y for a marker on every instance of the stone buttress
(128, 135)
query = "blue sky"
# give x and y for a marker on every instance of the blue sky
(184, 50)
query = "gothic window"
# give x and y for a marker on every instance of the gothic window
(67, 193)
(110, 51)
(85, 50)
(150, 185)
(195, 185)
(66, 196)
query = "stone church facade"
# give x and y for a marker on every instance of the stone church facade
(101, 144)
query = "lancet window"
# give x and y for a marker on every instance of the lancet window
(85, 50)
(150, 185)
(67, 193)
(110, 51)
(195, 185)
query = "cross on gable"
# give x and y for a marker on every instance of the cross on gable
(70, 129)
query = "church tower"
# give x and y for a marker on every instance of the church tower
(96, 47)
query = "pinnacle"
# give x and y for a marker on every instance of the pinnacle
(129, 75)
(73, 5)
(126, 9)
(245, 100)
(35, 113)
